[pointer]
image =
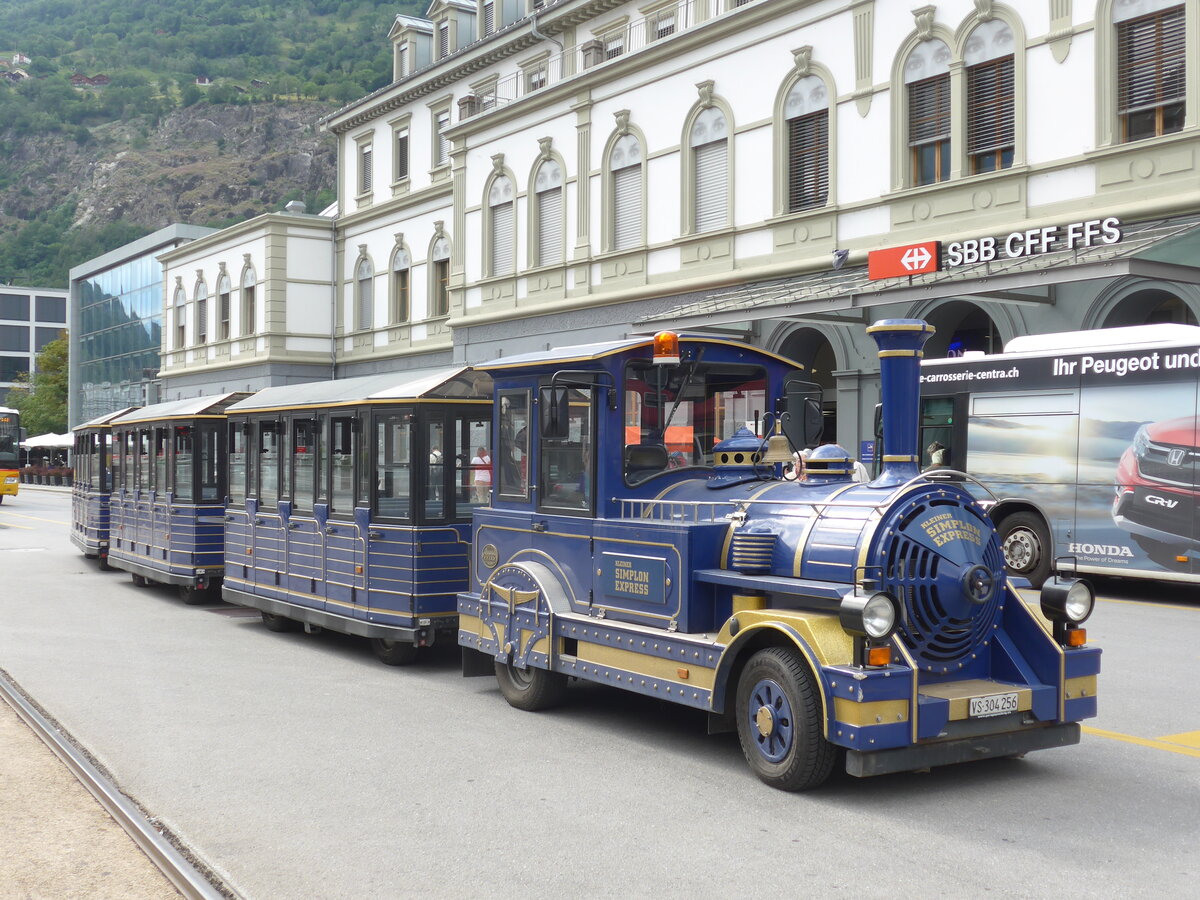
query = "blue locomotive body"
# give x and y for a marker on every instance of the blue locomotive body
(92, 486)
(810, 615)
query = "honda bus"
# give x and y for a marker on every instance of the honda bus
(1084, 445)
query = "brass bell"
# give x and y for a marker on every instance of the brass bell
(779, 449)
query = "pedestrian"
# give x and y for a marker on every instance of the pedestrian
(481, 466)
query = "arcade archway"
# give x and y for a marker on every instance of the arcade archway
(812, 350)
(962, 327)
(1150, 306)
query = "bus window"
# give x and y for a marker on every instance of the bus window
(183, 463)
(393, 466)
(237, 462)
(937, 433)
(208, 464)
(341, 456)
(268, 463)
(303, 462)
(566, 475)
(512, 445)
(435, 505)
(160, 460)
(472, 464)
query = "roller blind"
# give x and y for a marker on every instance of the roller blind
(627, 207)
(712, 185)
(990, 106)
(502, 239)
(929, 110)
(550, 224)
(1150, 60)
(808, 161)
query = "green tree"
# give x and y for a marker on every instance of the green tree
(42, 399)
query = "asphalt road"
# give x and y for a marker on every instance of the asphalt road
(297, 766)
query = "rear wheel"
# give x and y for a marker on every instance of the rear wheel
(394, 653)
(103, 561)
(139, 580)
(1025, 541)
(194, 596)
(779, 721)
(279, 623)
(530, 689)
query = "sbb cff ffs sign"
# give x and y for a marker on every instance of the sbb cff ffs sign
(912, 259)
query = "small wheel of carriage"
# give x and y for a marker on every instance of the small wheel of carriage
(394, 653)
(194, 596)
(531, 689)
(279, 623)
(102, 561)
(779, 721)
(140, 580)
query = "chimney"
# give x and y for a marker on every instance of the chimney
(900, 342)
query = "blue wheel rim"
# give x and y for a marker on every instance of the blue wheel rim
(770, 719)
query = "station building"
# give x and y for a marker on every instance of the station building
(780, 171)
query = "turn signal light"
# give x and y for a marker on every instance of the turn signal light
(666, 349)
(879, 656)
(1076, 637)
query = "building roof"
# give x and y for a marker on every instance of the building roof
(413, 384)
(1168, 249)
(178, 409)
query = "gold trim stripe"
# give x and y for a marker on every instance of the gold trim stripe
(878, 712)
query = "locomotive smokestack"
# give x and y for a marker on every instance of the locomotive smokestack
(900, 342)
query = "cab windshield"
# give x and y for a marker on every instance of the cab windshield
(675, 415)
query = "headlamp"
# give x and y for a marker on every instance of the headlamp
(1141, 442)
(875, 615)
(1068, 600)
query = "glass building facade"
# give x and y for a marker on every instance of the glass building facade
(116, 316)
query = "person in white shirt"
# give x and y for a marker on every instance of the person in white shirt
(481, 466)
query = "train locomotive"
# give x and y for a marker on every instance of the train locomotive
(641, 536)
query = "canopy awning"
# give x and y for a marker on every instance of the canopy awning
(48, 441)
(1166, 249)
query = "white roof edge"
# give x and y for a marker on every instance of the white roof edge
(1100, 338)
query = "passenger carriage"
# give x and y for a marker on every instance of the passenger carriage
(92, 460)
(828, 622)
(167, 507)
(350, 504)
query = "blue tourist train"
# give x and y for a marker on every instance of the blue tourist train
(92, 460)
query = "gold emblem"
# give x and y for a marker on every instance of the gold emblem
(490, 556)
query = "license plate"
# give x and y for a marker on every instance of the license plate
(993, 705)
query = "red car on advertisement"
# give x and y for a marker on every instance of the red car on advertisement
(1156, 489)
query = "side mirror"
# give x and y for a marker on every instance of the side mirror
(555, 416)
(802, 419)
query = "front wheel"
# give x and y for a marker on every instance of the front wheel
(394, 653)
(1027, 548)
(779, 721)
(530, 689)
(279, 623)
(194, 596)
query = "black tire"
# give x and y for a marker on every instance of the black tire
(140, 580)
(394, 653)
(531, 689)
(779, 721)
(279, 623)
(1025, 541)
(194, 596)
(103, 563)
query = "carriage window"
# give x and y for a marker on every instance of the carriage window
(566, 465)
(936, 444)
(143, 460)
(128, 481)
(304, 456)
(104, 481)
(237, 462)
(473, 463)
(435, 478)
(512, 445)
(362, 443)
(268, 463)
(160, 459)
(674, 415)
(183, 462)
(393, 466)
(208, 463)
(341, 455)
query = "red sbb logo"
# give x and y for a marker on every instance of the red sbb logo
(912, 259)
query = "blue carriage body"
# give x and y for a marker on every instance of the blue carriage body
(339, 516)
(167, 506)
(92, 485)
(675, 581)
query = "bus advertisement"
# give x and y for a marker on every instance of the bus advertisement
(1088, 443)
(10, 446)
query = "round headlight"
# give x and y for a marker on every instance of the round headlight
(879, 616)
(1079, 602)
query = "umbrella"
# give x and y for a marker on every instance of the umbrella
(48, 440)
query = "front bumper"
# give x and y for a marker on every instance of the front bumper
(863, 763)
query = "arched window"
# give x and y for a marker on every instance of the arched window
(625, 168)
(548, 215)
(990, 92)
(201, 295)
(501, 196)
(224, 289)
(180, 303)
(806, 111)
(401, 285)
(927, 79)
(709, 143)
(249, 302)
(364, 283)
(1151, 67)
(439, 278)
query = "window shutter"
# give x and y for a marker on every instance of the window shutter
(401, 156)
(443, 143)
(366, 296)
(712, 185)
(364, 170)
(489, 18)
(443, 39)
(550, 223)
(502, 239)
(990, 106)
(1150, 61)
(808, 161)
(627, 207)
(929, 110)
